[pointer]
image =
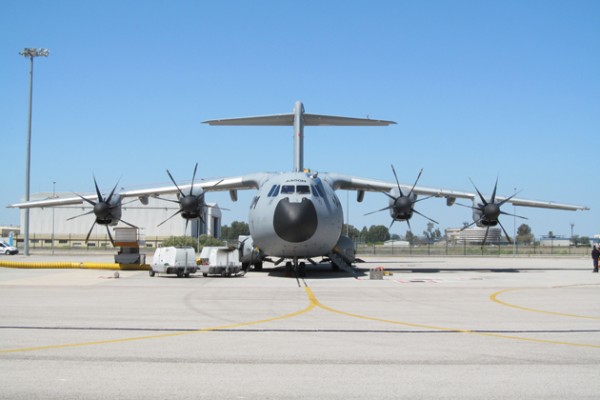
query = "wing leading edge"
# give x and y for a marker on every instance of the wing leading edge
(244, 182)
(346, 182)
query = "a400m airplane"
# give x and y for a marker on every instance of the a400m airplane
(297, 216)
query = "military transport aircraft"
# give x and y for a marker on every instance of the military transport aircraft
(297, 216)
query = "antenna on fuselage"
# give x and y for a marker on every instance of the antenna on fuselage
(298, 119)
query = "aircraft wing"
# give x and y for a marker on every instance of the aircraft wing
(346, 182)
(244, 182)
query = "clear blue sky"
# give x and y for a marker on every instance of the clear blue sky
(479, 89)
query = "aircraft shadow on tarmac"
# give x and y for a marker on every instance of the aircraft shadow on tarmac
(314, 271)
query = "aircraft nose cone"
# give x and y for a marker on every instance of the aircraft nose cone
(295, 222)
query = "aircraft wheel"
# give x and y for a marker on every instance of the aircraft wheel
(258, 266)
(151, 273)
(187, 274)
(204, 274)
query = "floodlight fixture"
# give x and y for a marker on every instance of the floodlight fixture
(29, 52)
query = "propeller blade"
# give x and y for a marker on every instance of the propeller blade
(81, 215)
(175, 183)
(90, 232)
(415, 184)
(479, 193)
(506, 234)
(113, 191)
(214, 186)
(471, 224)
(86, 200)
(127, 223)
(507, 199)
(424, 198)
(383, 209)
(177, 212)
(392, 223)
(426, 217)
(464, 205)
(98, 190)
(397, 183)
(487, 230)
(512, 215)
(110, 236)
(163, 199)
(494, 192)
(193, 177)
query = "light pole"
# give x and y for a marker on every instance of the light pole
(31, 53)
(515, 228)
(53, 196)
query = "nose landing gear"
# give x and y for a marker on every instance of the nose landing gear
(295, 268)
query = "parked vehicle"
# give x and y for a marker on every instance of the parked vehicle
(220, 260)
(174, 260)
(6, 249)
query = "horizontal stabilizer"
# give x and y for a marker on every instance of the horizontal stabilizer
(308, 119)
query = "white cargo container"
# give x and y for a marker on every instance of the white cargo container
(174, 260)
(220, 260)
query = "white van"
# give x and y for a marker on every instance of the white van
(6, 249)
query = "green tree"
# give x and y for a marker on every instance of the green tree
(377, 234)
(236, 229)
(524, 234)
(364, 233)
(188, 241)
(431, 235)
(351, 231)
(584, 241)
(409, 237)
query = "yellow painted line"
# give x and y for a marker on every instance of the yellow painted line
(312, 304)
(494, 298)
(440, 328)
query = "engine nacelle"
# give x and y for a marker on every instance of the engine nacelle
(192, 205)
(486, 214)
(108, 213)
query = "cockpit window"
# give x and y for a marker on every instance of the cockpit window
(274, 191)
(320, 190)
(303, 189)
(314, 190)
(288, 189)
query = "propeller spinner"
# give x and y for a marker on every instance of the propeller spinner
(192, 204)
(402, 206)
(107, 211)
(487, 213)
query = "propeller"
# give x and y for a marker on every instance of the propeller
(107, 211)
(191, 205)
(489, 212)
(402, 206)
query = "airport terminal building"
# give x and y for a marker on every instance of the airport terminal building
(53, 225)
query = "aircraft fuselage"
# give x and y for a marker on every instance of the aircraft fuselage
(295, 214)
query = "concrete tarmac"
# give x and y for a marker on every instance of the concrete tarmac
(457, 328)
